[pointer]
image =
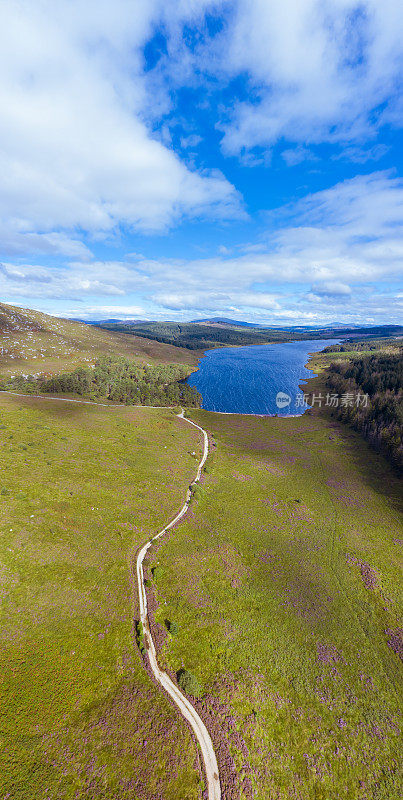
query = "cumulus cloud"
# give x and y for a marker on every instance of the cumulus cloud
(332, 289)
(215, 301)
(15, 243)
(329, 247)
(86, 153)
(75, 152)
(74, 280)
(317, 70)
(297, 155)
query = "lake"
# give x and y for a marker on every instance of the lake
(248, 380)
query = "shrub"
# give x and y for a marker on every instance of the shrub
(171, 627)
(197, 492)
(139, 631)
(189, 683)
(156, 572)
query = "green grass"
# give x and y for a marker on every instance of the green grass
(81, 487)
(282, 583)
(33, 343)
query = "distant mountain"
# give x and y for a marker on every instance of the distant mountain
(108, 321)
(225, 321)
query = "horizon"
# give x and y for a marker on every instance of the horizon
(213, 319)
(198, 160)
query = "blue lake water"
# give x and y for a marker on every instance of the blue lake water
(246, 380)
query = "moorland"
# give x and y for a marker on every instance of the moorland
(275, 604)
(81, 487)
(283, 585)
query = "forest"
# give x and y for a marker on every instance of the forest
(358, 347)
(121, 381)
(380, 377)
(195, 336)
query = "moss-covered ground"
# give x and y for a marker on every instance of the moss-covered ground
(80, 487)
(283, 587)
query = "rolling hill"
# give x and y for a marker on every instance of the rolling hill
(35, 343)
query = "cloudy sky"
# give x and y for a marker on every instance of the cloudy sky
(176, 159)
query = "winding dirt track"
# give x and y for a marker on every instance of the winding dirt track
(185, 707)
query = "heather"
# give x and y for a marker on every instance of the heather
(284, 586)
(81, 487)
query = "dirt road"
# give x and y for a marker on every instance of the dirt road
(180, 700)
(185, 707)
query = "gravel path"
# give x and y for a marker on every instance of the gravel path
(180, 700)
(185, 707)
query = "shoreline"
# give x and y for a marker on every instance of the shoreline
(301, 380)
(234, 413)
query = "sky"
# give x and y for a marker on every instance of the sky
(182, 159)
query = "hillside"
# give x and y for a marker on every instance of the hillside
(283, 587)
(278, 594)
(35, 343)
(81, 488)
(193, 336)
(226, 333)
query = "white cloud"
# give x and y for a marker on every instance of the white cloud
(76, 279)
(14, 243)
(191, 141)
(360, 155)
(75, 152)
(214, 301)
(103, 312)
(317, 69)
(333, 253)
(332, 289)
(297, 155)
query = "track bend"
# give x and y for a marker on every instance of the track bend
(185, 707)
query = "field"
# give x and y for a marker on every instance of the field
(80, 488)
(32, 343)
(283, 587)
(279, 593)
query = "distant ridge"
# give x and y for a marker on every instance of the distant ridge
(238, 323)
(224, 321)
(109, 321)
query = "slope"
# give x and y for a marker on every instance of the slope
(33, 343)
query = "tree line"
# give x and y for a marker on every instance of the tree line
(369, 344)
(119, 380)
(379, 376)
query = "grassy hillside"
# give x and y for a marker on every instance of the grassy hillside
(192, 336)
(283, 585)
(279, 593)
(80, 488)
(204, 335)
(33, 343)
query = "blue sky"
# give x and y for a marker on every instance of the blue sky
(188, 158)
